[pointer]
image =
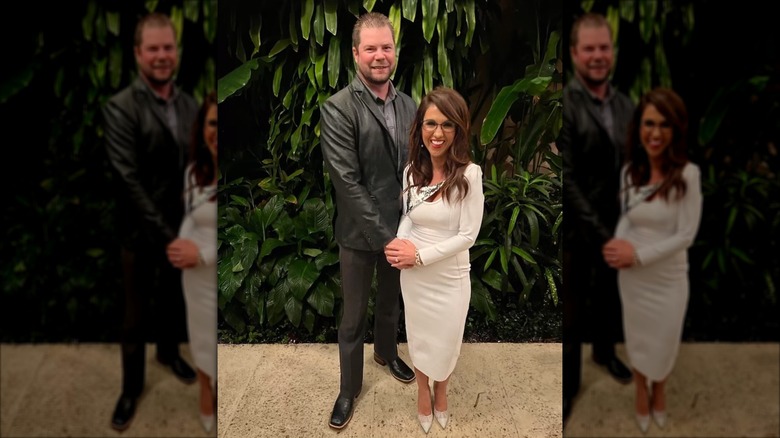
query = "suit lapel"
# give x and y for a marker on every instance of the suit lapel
(367, 100)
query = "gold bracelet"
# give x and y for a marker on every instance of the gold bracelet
(417, 259)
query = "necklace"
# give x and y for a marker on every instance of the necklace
(416, 197)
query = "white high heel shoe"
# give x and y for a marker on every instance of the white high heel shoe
(441, 417)
(659, 417)
(643, 421)
(425, 421)
(207, 421)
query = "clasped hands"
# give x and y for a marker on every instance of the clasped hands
(618, 253)
(183, 253)
(400, 253)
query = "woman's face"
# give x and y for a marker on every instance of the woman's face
(655, 132)
(438, 133)
(210, 129)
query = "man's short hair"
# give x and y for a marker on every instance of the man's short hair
(590, 19)
(155, 19)
(370, 20)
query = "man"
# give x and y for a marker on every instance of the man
(365, 130)
(592, 139)
(147, 129)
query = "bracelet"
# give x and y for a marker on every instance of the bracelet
(201, 260)
(417, 259)
(636, 259)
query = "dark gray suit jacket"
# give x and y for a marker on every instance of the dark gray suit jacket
(365, 162)
(592, 158)
(149, 159)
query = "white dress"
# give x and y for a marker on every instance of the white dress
(437, 294)
(654, 295)
(200, 283)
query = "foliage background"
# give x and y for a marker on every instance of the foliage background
(60, 274)
(278, 272)
(725, 64)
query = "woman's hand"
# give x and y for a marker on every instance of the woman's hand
(400, 253)
(183, 253)
(619, 253)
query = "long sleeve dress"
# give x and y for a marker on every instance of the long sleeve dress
(437, 294)
(654, 294)
(200, 282)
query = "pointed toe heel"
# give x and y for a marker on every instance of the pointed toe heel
(425, 422)
(659, 417)
(643, 421)
(441, 417)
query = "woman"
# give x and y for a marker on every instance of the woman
(195, 253)
(662, 202)
(443, 205)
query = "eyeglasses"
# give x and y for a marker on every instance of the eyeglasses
(431, 125)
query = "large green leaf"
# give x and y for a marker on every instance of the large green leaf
(647, 13)
(471, 20)
(395, 19)
(275, 305)
(368, 5)
(430, 13)
(319, 25)
(331, 16)
(427, 70)
(294, 309)
(482, 301)
(228, 281)
(334, 61)
(443, 61)
(269, 245)
(301, 275)
(247, 252)
(306, 12)
(322, 299)
(409, 9)
(504, 101)
(236, 80)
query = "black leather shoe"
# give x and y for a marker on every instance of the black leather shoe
(616, 368)
(180, 369)
(342, 412)
(398, 368)
(123, 413)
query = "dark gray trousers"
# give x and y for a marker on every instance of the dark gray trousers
(357, 271)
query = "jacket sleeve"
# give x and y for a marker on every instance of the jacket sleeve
(581, 210)
(688, 218)
(120, 146)
(471, 211)
(340, 151)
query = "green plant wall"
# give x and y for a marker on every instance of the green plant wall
(61, 279)
(278, 63)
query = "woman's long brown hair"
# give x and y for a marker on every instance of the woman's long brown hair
(454, 107)
(202, 162)
(674, 158)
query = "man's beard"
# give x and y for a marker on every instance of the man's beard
(373, 79)
(159, 82)
(594, 82)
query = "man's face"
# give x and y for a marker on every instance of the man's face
(157, 56)
(375, 55)
(592, 56)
